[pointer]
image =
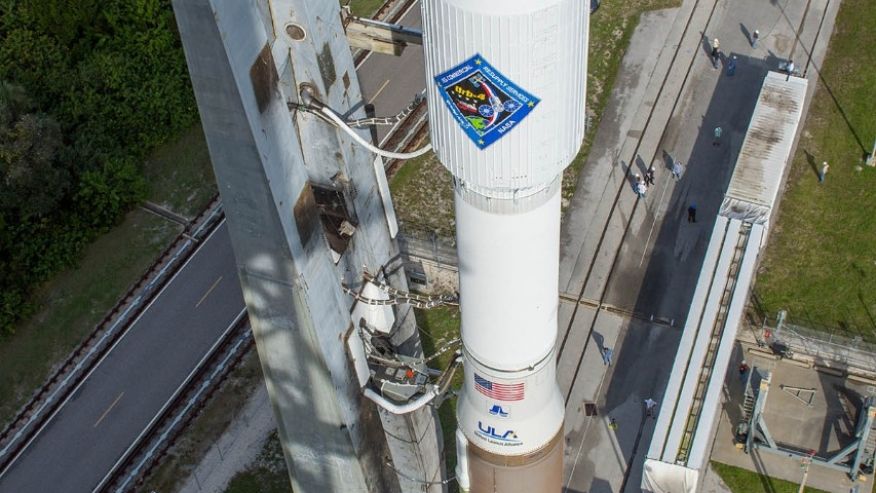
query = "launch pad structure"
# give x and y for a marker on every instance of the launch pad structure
(313, 230)
(307, 210)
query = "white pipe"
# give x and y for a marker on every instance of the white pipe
(409, 407)
(462, 477)
(358, 138)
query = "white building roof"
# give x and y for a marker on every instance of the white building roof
(760, 167)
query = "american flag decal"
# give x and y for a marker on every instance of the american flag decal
(499, 391)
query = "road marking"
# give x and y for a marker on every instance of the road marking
(78, 385)
(380, 90)
(215, 283)
(110, 408)
(176, 393)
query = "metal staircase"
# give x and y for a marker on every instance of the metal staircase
(748, 403)
(869, 455)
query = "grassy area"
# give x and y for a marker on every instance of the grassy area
(744, 481)
(180, 174)
(438, 326)
(363, 8)
(74, 301)
(421, 189)
(818, 264)
(208, 426)
(267, 475)
(422, 192)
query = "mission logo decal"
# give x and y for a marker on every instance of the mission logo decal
(483, 101)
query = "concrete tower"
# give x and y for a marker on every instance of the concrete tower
(307, 210)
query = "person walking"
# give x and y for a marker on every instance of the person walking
(650, 407)
(823, 171)
(755, 36)
(731, 66)
(743, 370)
(692, 213)
(717, 133)
(649, 176)
(641, 187)
(612, 424)
(716, 52)
(606, 356)
(677, 169)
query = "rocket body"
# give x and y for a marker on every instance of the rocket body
(506, 88)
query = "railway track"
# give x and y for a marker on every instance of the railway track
(601, 244)
(599, 302)
(407, 136)
(605, 247)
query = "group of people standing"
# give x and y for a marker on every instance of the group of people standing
(642, 183)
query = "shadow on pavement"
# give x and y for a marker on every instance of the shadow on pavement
(666, 281)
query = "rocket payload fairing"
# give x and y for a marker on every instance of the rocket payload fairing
(506, 88)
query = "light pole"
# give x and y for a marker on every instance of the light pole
(805, 463)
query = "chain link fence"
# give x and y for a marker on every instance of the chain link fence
(827, 347)
(820, 342)
(430, 258)
(429, 244)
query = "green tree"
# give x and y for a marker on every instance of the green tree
(107, 191)
(104, 82)
(32, 181)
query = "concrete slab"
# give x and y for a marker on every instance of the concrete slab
(588, 367)
(578, 342)
(599, 459)
(642, 255)
(826, 426)
(638, 152)
(713, 483)
(600, 178)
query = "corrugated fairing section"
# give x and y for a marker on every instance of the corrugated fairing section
(766, 150)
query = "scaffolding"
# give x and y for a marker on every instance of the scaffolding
(854, 459)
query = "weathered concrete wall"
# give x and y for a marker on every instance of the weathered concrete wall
(245, 69)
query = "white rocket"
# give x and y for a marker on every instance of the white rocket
(506, 88)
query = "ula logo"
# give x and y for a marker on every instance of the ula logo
(493, 435)
(497, 410)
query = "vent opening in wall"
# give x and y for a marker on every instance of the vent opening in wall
(418, 278)
(338, 223)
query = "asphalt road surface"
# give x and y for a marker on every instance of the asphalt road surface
(82, 442)
(389, 82)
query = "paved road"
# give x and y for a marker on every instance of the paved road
(389, 82)
(91, 431)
